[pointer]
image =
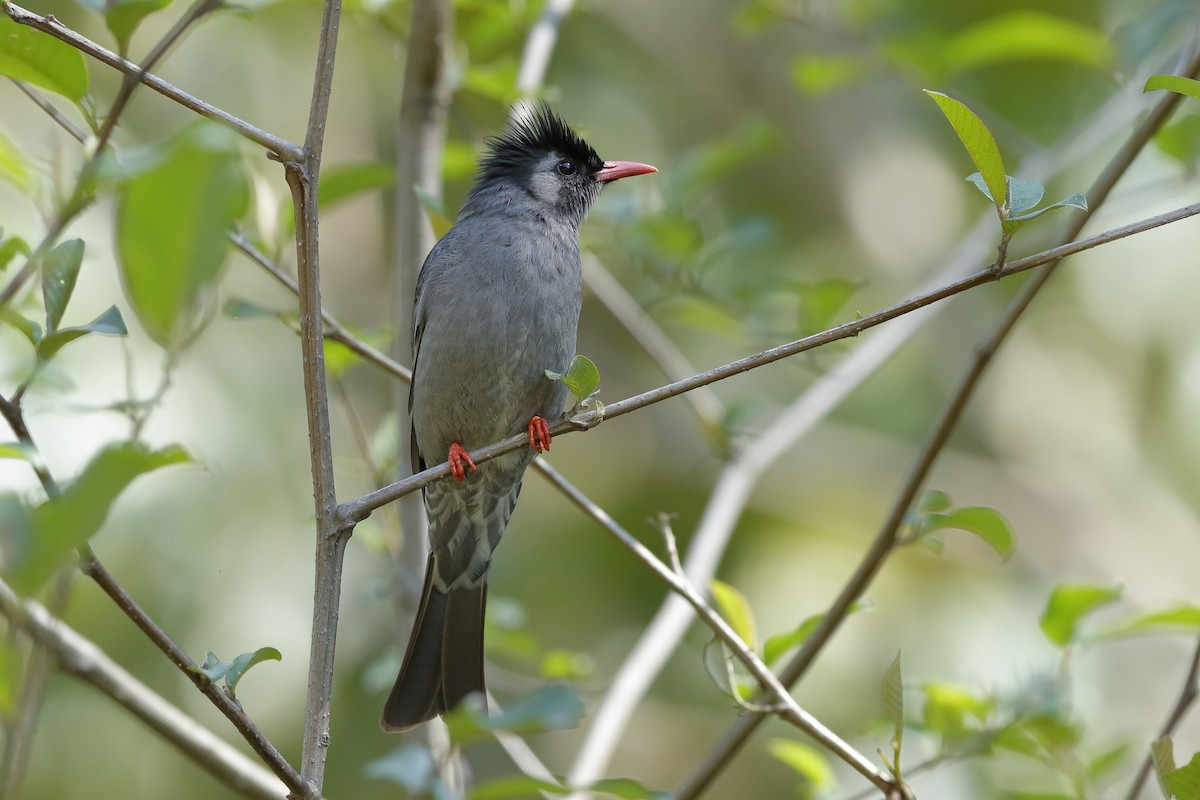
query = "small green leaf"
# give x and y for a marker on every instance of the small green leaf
(1070, 602)
(984, 522)
(18, 450)
(1174, 83)
(237, 308)
(1180, 619)
(9, 248)
(124, 16)
(59, 272)
(212, 668)
(1163, 755)
(933, 500)
(627, 789)
(949, 710)
(63, 523)
(818, 75)
(1107, 761)
(26, 327)
(582, 377)
(552, 707)
(893, 694)
(110, 323)
(243, 662)
(807, 761)
(171, 224)
(736, 610)
(38, 58)
(779, 644)
(1074, 201)
(1184, 783)
(979, 143)
(820, 301)
(566, 665)
(1024, 194)
(344, 181)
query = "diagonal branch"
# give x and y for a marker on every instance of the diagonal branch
(885, 540)
(1187, 696)
(356, 510)
(82, 658)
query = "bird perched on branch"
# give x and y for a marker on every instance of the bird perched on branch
(497, 305)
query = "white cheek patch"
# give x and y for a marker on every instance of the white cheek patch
(545, 186)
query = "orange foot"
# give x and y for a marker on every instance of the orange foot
(539, 434)
(456, 459)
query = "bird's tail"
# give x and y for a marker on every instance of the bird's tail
(444, 661)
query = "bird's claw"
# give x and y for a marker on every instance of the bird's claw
(539, 434)
(456, 458)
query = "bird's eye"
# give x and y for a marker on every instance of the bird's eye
(565, 167)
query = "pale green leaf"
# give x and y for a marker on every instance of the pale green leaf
(807, 761)
(1024, 194)
(110, 323)
(1181, 619)
(1174, 83)
(893, 694)
(953, 711)
(1070, 602)
(1025, 36)
(986, 523)
(240, 664)
(735, 609)
(582, 377)
(779, 644)
(1184, 783)
(59, 272)
(1162, 754)
(980, 145)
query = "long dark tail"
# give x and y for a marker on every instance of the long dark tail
(444, 660)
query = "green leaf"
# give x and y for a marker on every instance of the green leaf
(779, 644)
(552, 707)
(59, 272)
(984, 522)
(213, 667)
(1070, 602)
(14, 168)
(582, 377)
(1024, 194)
(63, 523)
(1076, 200)
(1025, 36)
(893, 694)
(110, 323)
(1174, 83)
(933, 500)
(124, 16)
(1107, 761)
(26, 327)
(949, 710)
(627, 789)
(514, 786)
(39, 59)
(817, 75)
(736, 610)
(237, 308)
(171, 224)
(807, 761)
(1163, 755)
(980, 145)
(9, 248)
(243, 662)
(1181, 140)
(19, 450)
(718, 663)
(1180, 619)
(566, 665)
(1184, 783)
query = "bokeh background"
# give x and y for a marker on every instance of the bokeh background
(798, 157)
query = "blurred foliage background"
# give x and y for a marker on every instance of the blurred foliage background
(804, 178)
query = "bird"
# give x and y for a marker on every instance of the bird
(497, 305)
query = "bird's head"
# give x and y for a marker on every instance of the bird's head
(557, 169)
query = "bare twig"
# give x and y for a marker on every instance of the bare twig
(282, 148)
(82, 658)
(884, 542)
(71, 128)
(303, 176)
(1187, 696)
(789, 709)
(360, 508)
(539, 45)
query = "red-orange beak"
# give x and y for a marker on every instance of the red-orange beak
(621, 169)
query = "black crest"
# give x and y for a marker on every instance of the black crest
(528, 139)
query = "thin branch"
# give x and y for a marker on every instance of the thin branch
(885, 540)
(282, 148)
(539, 45)
(303, 177)
(83, 659)
(360, 508)
(1187, 696)
(789, 709)
(71, 128)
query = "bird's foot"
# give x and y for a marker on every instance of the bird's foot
(457, 457)
(539, 434)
